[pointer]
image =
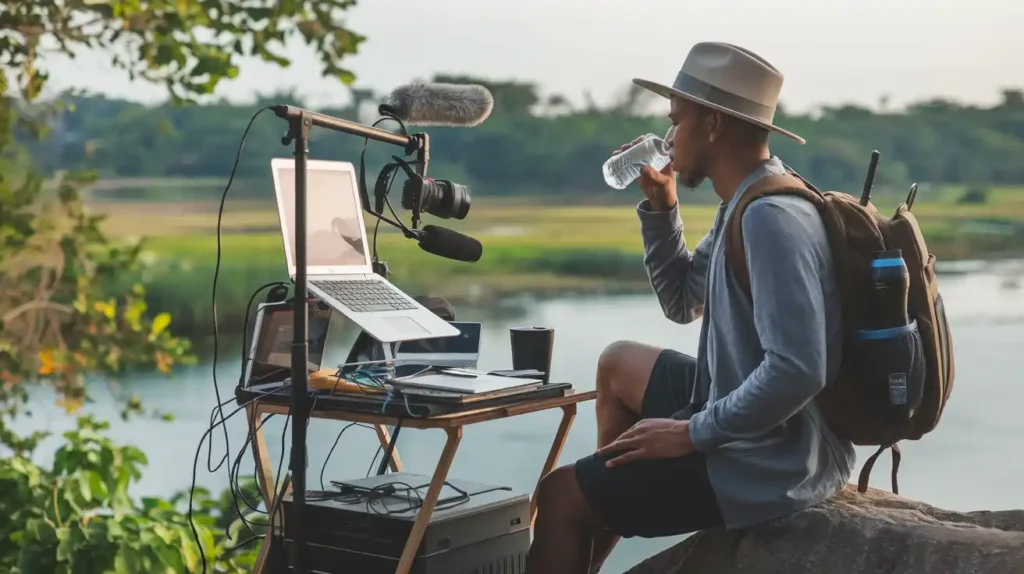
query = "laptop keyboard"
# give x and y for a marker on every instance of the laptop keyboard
(365, 295)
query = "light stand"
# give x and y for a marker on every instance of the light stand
(300, 122)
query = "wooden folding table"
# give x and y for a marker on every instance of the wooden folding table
(452, 425)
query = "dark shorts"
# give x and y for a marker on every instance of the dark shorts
(654, 497)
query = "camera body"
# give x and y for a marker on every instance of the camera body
(438, 197)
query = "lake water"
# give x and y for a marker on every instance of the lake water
(972, 461)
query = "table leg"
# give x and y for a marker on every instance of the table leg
(264, 478)
(568, 416)
(433, 492)
(384, 435)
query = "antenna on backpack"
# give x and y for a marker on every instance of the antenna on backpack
(869, 181)
(911, 196)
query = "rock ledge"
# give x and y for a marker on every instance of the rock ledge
(871, 533)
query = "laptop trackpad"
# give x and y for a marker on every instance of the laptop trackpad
(405, 324)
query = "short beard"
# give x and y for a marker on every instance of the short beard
(692, 180)
(697, 173)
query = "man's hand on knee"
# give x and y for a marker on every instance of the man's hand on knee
(650, 438)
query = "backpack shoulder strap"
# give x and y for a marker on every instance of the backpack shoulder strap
(781, 184)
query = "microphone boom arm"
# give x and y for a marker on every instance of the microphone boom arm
(294, 114)
(419, 143)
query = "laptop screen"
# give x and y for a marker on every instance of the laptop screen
(467, 342)
(335, 234)
(270, 357)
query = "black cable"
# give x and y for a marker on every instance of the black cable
(279, 490)
(380, 449)
(241, 544)
(283, 483)
(461, 498)
(216, 276)
(233, 486)
(376, 226)
(195, 468)
(397, 222)
(236, 489)
(351, 494)
(376, 229)
(216, 389)
(233, 478)
(330, 452)
(387, 202)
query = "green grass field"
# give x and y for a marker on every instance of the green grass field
(529, 246)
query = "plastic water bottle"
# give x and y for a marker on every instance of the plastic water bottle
(622, 169)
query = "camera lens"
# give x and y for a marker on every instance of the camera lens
(439, 197)
(444, 199)
(456, 201)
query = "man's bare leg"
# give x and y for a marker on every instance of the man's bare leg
(623, 372)
(567, 536)
(563, 533)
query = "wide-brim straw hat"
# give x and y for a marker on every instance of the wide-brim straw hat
(730, 79)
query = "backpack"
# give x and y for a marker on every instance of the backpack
(856, 233)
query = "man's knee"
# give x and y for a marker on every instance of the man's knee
(556, 483)
(559, 494)
(623, 370)
(613, 359)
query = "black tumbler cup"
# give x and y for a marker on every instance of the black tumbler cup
(532, 348)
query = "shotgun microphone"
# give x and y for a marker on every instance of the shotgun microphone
(439, 104)
(448, 243)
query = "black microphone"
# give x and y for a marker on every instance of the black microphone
(439, 104)
(448, 243)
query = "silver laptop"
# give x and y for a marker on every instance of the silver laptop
(464, 381)
(460, 351)
(338, 269)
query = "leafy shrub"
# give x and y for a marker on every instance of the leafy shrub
(78, 516)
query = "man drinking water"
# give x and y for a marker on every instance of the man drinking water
(732, 437)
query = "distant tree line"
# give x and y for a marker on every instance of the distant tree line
(541, 146)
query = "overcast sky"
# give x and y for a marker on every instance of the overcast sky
(830, 51)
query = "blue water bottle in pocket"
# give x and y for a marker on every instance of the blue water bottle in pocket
(890, 346)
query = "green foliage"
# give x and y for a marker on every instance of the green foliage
(71, 306)
(78, 516)
(64, 315)
(66, 311)
(188, 46)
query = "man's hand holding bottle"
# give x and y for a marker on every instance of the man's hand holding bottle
(658, 186)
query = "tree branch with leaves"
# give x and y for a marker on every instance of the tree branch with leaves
(188, 46)
(72, 301)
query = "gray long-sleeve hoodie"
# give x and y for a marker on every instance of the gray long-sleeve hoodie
(759, 366)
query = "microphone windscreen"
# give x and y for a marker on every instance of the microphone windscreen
(449, 244)
(438, 104)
